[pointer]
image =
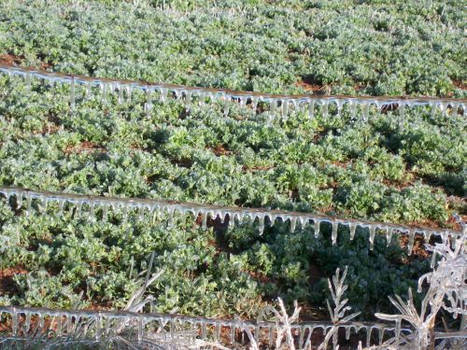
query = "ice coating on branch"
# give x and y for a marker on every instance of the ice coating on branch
(444, 288)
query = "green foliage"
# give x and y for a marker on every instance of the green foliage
(380, 48)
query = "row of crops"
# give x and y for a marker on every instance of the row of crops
(163, 200)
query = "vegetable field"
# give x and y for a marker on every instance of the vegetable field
(231, 153)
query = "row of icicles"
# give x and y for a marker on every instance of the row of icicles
(123, 90)
(231, 215)
(100, 326)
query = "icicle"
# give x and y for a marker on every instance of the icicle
(270, 336)
(257, 331)
(61, 205)
(28, 81)
(324, 108)
(433, 260)
(148, 104)
(380, 335)
(124, 212)
(302, 105)
(120, 94)
(302, 220)
(411, 234)
(111, 89)
(140, 335)
(239, 218)
(339, 104)
(103, 90)
(128, 89)
(201, 97)
(105, 210)
(249, 216)
(352, 229)
(316, 227)
(353, 109)
(188, 97)
(242, 100)
(384, 229)
(87, 92)
(347, 332)
(171, 221)
(41, 323)
(72, 94)
(442, 107)
(366, 111)
(211, 97)
(78, 209)
(254, 103)
(222, 216)
(368, 335)
(426, 235)
(14, 324)
(335, 226)
(217, 332)
(397, 331)
(204, 223)
(379, 105)
(272, 105)
(231, 222)
(19, 200)
(375, 103)
(311, 108)
(293, 223)
(28, 204)
(372, 229)
(389, 234)
(203, 330)
(260, 224)
(45, 203)
(27, 324)
(454, 107)
(285, 107)
(402, 111)
(433, 108)
(232, 334)
(294, 104)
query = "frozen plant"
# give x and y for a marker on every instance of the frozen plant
(447, 290)
(337, 289)
(284, 337)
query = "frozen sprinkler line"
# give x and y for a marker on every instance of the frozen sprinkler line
(46, 325)
(66, 327)
(123, 90)
(231, 215)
